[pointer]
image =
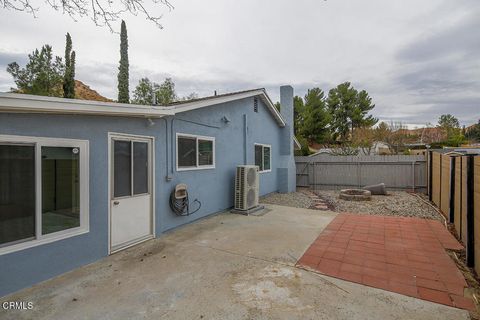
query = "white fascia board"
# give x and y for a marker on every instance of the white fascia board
(297, 143)
(276, 114)
(14, 102)
(188, 106)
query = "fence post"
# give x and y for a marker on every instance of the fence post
(359, 181)
(452, 190)
(314, 177)
(470, 213)
(430, 172)
(413, 176)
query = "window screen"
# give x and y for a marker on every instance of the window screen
(205, 152)
(258, 157)
(263, 157)
(187, 152)
(60, 188)
(122, 175)
(266, 158)
(17, 193)
(140, 167)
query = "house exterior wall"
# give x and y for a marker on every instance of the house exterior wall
(214, 188)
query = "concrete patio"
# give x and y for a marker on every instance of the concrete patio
(223, 267)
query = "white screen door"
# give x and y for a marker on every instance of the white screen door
(131, 191)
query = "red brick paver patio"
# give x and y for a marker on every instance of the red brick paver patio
(403, 255)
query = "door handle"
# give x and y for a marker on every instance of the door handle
(116, 202)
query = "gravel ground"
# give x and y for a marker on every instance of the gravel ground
(397, 203)
(294, 199)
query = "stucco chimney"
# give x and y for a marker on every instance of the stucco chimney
(286, 109)
(286, 170)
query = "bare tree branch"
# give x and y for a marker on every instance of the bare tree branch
(102, 12)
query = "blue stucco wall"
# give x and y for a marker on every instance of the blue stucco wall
(213, 187)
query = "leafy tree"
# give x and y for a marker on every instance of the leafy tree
(69, 76)
(165, 92)
(43, 74)
(360, 117)
(123, 78)
(474, 132)
(191, 96)
(298, 107)
(298, 114)
(102, 12)
(364, 138)
(340, 103)
(349, 109)
(456, 139)
(147, 91)
(450, 125)
(277, 106)
(143, 93)
(304, 149)
(393, 135)
(448, 121)
(315, 117)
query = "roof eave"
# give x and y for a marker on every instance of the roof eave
(188, 106)
(13, 102)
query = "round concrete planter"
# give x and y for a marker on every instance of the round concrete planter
(355, 195)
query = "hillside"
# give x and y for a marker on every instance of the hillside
(84, 92)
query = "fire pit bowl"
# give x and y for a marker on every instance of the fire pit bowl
(355, 195)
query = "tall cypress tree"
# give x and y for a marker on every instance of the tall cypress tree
(123, 90)
(69, 75)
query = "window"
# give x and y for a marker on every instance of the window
(263, 157)
(43, 190)
(195, 152)
(130, 168)
(60, 189)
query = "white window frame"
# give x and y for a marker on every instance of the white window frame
(196, 137)
(263, 145)
(38, 143)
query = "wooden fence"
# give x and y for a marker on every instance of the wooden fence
(336, 172)
(454, 186)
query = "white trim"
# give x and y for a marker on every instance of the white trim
(14, 102)
(130, 137)
(196, 137)
(297, 143)
(263, 146)
(187, 106)
(132, 244)
(84, 227)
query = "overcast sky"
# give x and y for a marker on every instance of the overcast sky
(417, 59)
